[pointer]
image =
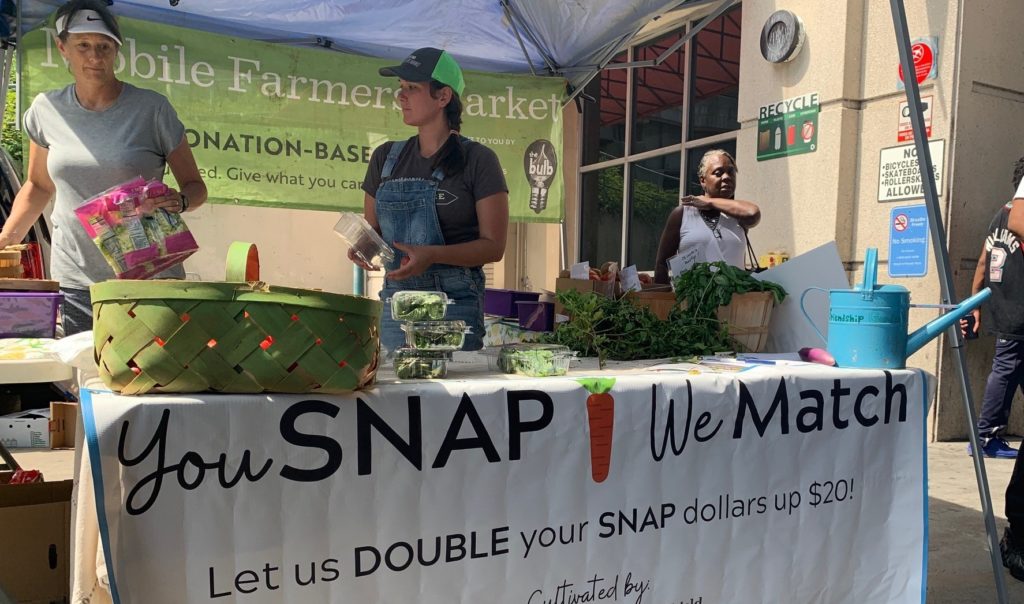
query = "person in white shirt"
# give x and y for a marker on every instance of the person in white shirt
(711, 227)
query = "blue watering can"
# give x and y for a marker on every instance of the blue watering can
(867, 326)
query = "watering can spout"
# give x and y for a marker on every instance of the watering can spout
(923, 335)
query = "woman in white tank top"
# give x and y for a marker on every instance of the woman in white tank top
(711, 227)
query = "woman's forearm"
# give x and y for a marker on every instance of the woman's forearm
(196, 193)
(28, 206)
(745, 212)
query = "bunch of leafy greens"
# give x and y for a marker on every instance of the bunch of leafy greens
(708, 285)
(619, 330)
(411, 305)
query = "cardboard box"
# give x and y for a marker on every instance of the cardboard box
(36, 521)
(63, 419)
(26, 429)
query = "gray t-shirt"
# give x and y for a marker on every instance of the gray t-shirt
(456, 195)
(90, 152)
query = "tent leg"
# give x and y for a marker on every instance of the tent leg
(938, 234)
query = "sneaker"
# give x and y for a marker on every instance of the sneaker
(1013, 555)
(995, 447)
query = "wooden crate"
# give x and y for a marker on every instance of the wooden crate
(660, 302)
(748, 316)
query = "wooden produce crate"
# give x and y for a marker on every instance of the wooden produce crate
(748, 316)
(659, 302)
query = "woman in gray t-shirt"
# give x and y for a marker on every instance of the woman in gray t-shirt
(87, 138)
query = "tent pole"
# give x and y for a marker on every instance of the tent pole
(938, 234)
(513, 17)
(515, 30)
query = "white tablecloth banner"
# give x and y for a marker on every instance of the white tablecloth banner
(775, 484)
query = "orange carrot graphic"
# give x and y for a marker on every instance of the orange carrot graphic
(601, 418)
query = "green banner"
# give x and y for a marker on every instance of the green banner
(274, 125)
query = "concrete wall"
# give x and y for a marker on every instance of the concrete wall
(989, 135)
(297, 249)
(850, 58)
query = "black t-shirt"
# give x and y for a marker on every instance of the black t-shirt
(456, 195)
(1004, 275)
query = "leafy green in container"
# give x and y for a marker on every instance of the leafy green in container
(413, 305)
(435, 335)
(535, 360)
(413, 364)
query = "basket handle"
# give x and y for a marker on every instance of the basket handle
(243, 262)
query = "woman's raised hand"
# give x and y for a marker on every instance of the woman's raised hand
(697, 201)
(170, 201)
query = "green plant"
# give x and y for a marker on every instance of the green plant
(708, 285)
(619, 330)
(10, 137)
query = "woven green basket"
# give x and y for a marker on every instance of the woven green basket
(241, 336)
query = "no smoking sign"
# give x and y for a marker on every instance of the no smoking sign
(900, 222)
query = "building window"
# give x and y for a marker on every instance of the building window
(644, 130)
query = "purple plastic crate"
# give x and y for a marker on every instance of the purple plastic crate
(502, 302)
(29, 314)
(536, 316)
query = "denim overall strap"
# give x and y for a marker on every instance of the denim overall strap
(392, 159)
(407, 211)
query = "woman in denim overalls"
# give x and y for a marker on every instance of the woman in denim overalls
(404, 209)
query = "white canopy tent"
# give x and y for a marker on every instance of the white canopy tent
(573, 40)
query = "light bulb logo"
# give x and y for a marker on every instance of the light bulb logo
(540, 164)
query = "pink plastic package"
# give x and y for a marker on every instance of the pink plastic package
(137, 243)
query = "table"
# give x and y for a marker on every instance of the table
(34, 371)
(779, 483)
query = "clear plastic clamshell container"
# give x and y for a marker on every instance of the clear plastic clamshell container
(363, 239)
(435, 335)
(417, 364)
(535, 360)
(413, 305)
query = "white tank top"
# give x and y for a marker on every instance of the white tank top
(696, 237)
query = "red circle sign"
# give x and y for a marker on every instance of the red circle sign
(900, 223)
(924, 59)
(807, 131)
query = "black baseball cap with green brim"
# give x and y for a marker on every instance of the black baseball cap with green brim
(428, 64)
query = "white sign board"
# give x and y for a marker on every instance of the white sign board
(791, 484)
(791, 326)
(899, 176)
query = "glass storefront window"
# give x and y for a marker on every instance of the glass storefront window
(655, 192)
(658, 96)
(671, 112)
(604, 121)
(715, 77)
(693, 163)
(601, 219)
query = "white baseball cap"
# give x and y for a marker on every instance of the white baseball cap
(86, 22)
